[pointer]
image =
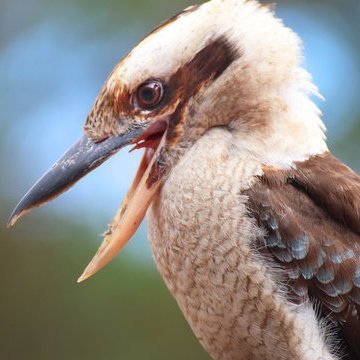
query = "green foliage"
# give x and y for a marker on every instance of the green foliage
(125, 312)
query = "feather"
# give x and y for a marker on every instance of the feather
(311, 217)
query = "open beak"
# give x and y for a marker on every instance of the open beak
(84, 156)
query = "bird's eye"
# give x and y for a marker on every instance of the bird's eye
(149, 94)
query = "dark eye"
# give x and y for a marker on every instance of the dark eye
(149, 94)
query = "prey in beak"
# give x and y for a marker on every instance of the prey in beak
(87, 154)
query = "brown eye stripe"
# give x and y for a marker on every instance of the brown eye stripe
(207, 65)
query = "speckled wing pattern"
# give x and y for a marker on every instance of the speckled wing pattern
(311, 216)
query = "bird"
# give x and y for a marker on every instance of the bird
(253, 224)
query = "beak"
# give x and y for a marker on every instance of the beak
(83, 157)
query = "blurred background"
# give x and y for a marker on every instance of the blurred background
(54, 58)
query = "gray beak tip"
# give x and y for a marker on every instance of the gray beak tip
(80, 159)
(27, 203)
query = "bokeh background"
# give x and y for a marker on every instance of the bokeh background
(54, 58)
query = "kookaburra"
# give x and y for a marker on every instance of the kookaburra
(253, 224)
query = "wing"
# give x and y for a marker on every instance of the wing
(311, 215)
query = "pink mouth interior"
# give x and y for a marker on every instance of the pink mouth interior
(151, 137)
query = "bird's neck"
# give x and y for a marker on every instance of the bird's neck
(291, 135)
(202, 240)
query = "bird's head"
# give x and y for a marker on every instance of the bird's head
(225, 63)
